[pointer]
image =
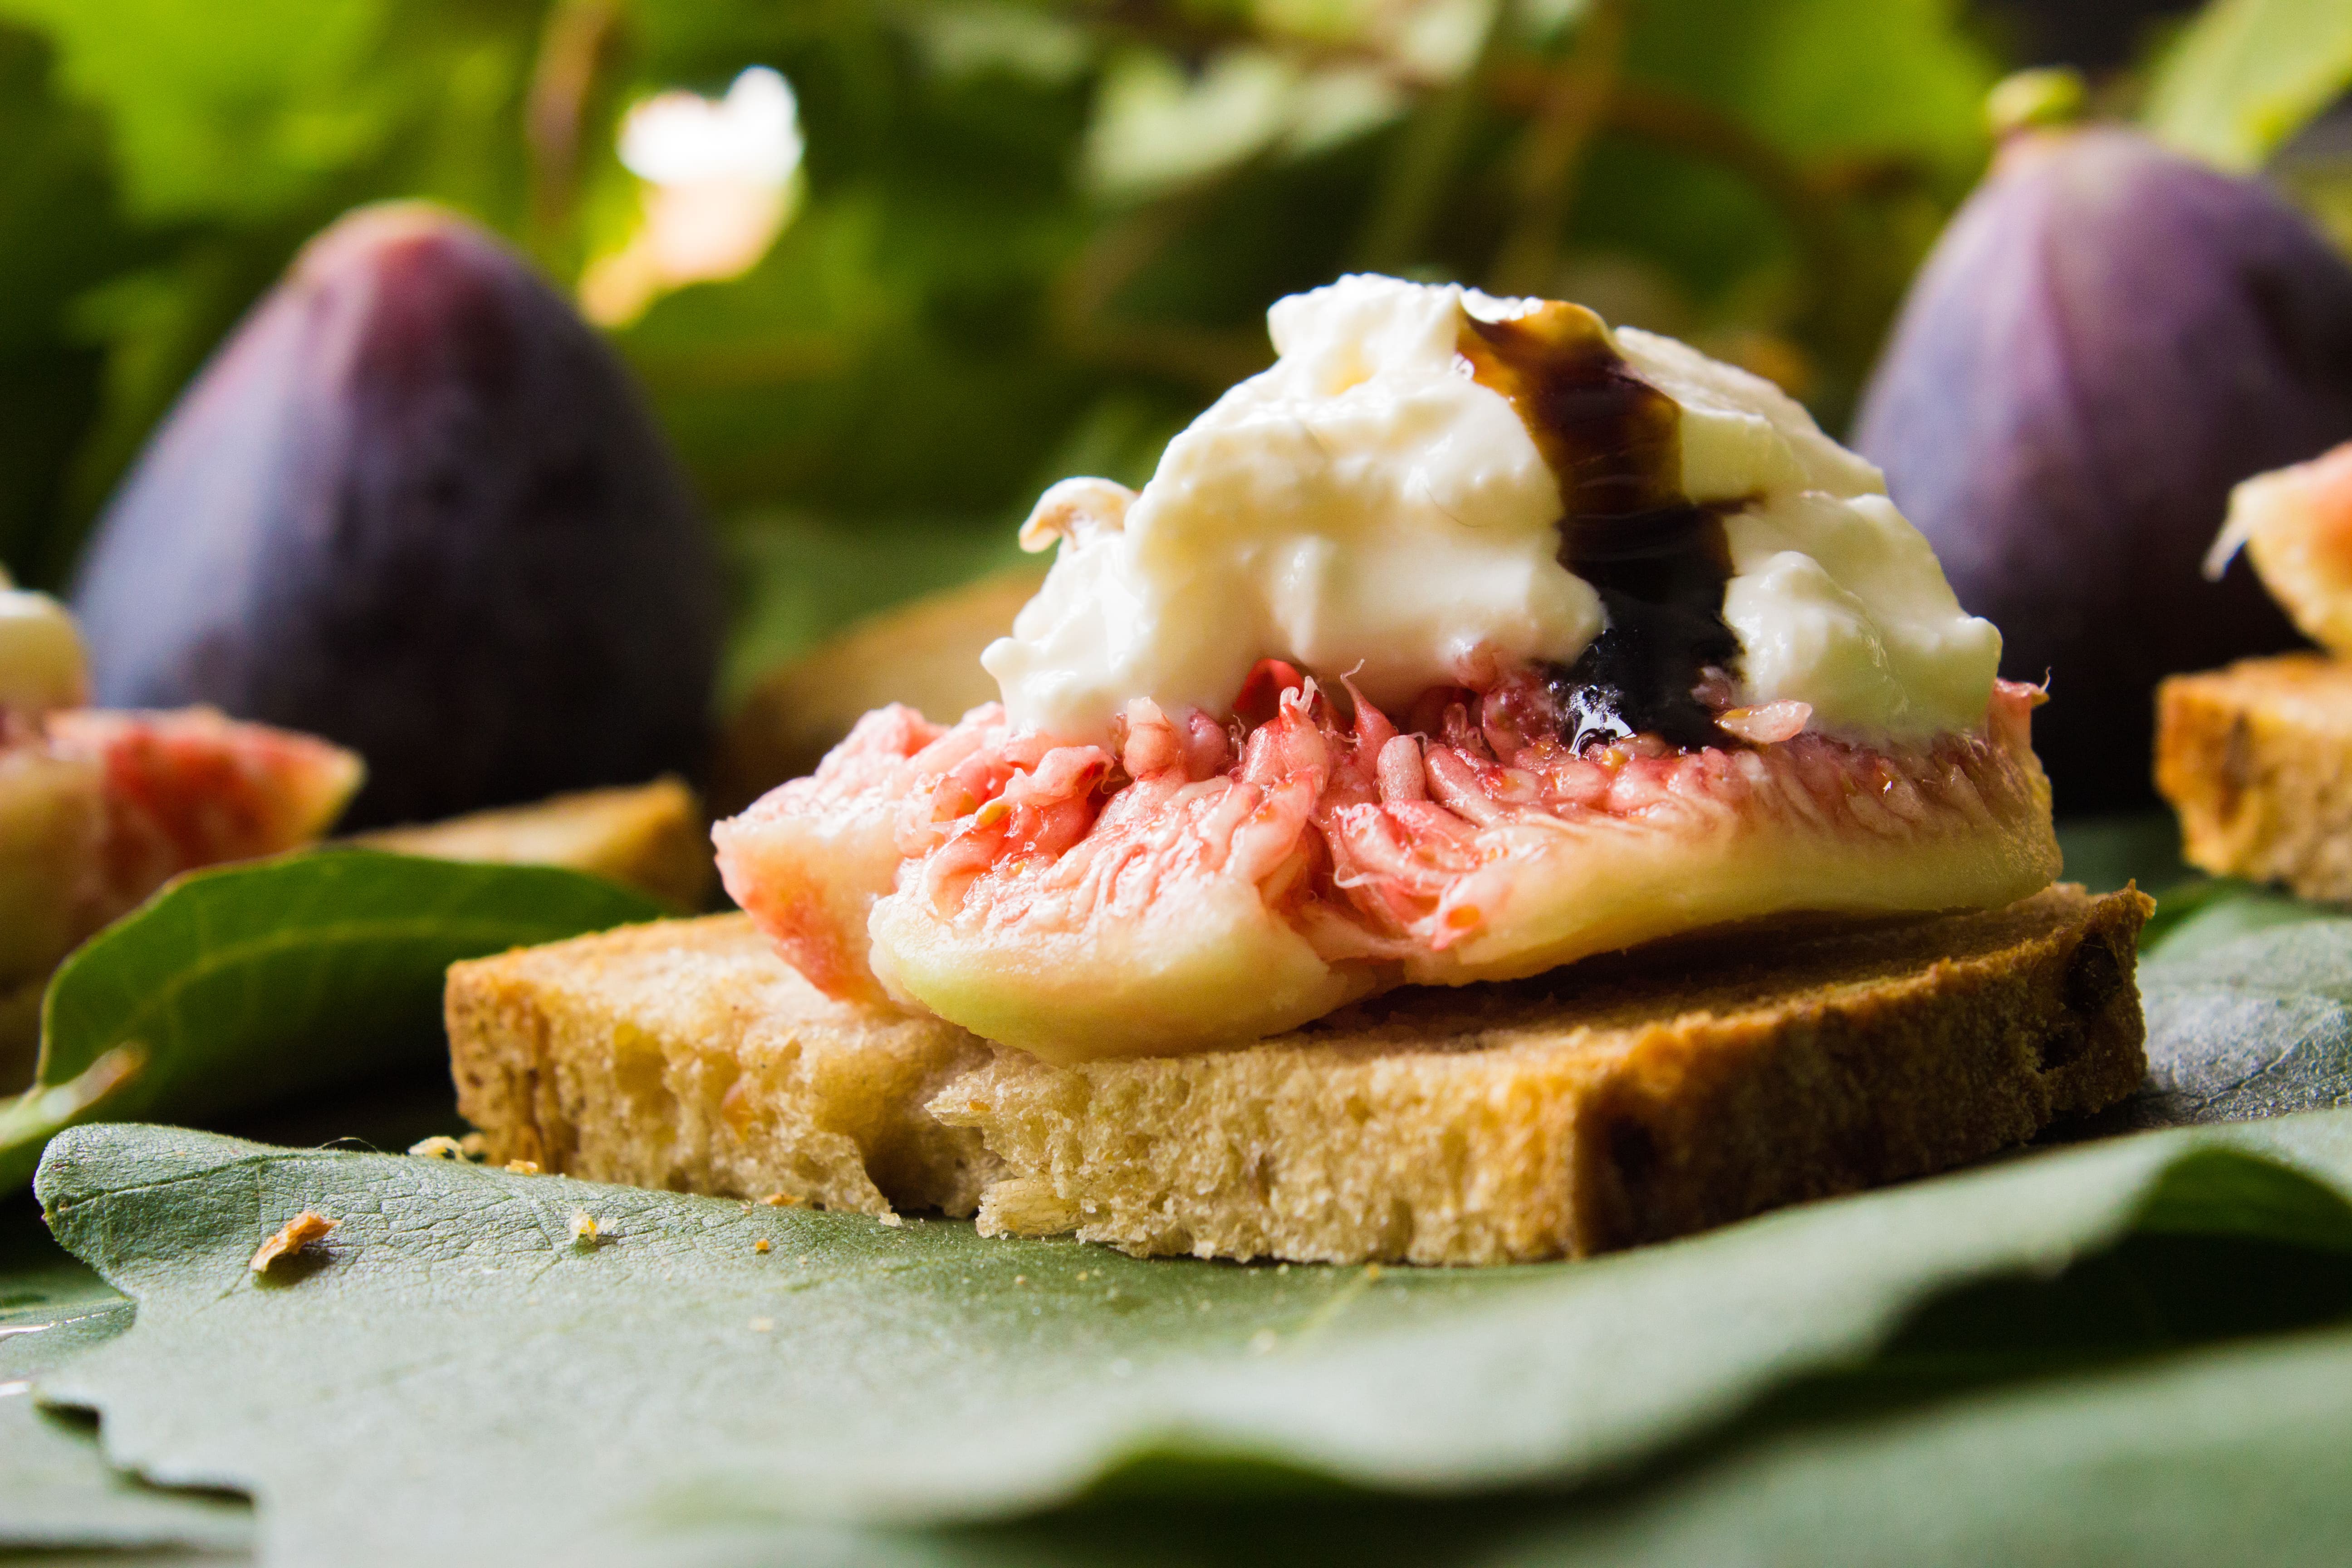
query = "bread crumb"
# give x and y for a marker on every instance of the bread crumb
(293, 1236)
(440, 1146)
(892, 1219)
(762, 1325)
(523, 1167)
(584, 1228)
(1020, 1279)
(475, 1145)
(781, 1200)
(761, 1245)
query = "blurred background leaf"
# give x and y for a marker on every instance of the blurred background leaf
(2247, 74)
(1031, 237)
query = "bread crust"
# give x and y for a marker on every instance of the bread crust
(2257, 759)
(685, 1054)
(648, 836)
(1622, 1100)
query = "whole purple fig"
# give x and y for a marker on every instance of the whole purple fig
(2104, 340)
(415, 505)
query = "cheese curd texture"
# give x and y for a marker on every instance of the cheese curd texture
(1365, 509)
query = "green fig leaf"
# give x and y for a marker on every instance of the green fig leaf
(2103, 853)
(1828, 77)
(2246, 75)
(459, 1367)
(2235, 1454)
(57, 232)
(2198, 916)
(249, 984)
(56, 1489)
(2248, 1005)
(244, 111)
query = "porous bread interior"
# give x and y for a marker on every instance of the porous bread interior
(1627, 1100)
(685, 1054)
(1631, 1099)
(2257, 761)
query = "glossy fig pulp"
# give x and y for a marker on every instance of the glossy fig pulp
(191, 788)
(1211, 883)
(97, 809)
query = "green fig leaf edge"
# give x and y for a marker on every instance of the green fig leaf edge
(663, 1390)
(241, 985)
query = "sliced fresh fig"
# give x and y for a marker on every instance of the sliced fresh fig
(1205, 886)
(52, 815)
(924, 653)
(808, 860)
(99, 809)
(2105, 339)
(416, 506)
(191, 788)
(2295, 526)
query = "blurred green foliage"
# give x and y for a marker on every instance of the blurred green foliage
(1035, 236)
(2247, 73)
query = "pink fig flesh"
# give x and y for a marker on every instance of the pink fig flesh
(1208, 885)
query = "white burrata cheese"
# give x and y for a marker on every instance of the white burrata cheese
(1365, 509)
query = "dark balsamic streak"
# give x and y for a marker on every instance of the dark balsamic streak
(1658, 561)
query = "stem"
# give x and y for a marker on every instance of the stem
(1573, 101)
(1416, 183)
(579, 38)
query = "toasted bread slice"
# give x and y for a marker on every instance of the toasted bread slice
(686, 1054)
(649, 837)
(1625, 1100)
(2256, 759)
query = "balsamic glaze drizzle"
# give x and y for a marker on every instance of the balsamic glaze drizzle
(1658, 561)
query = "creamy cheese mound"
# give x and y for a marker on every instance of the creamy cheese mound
(1364, 508)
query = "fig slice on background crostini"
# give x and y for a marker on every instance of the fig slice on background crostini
(99, 808)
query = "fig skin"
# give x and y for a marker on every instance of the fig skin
(2105, 339)
(416, 506)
